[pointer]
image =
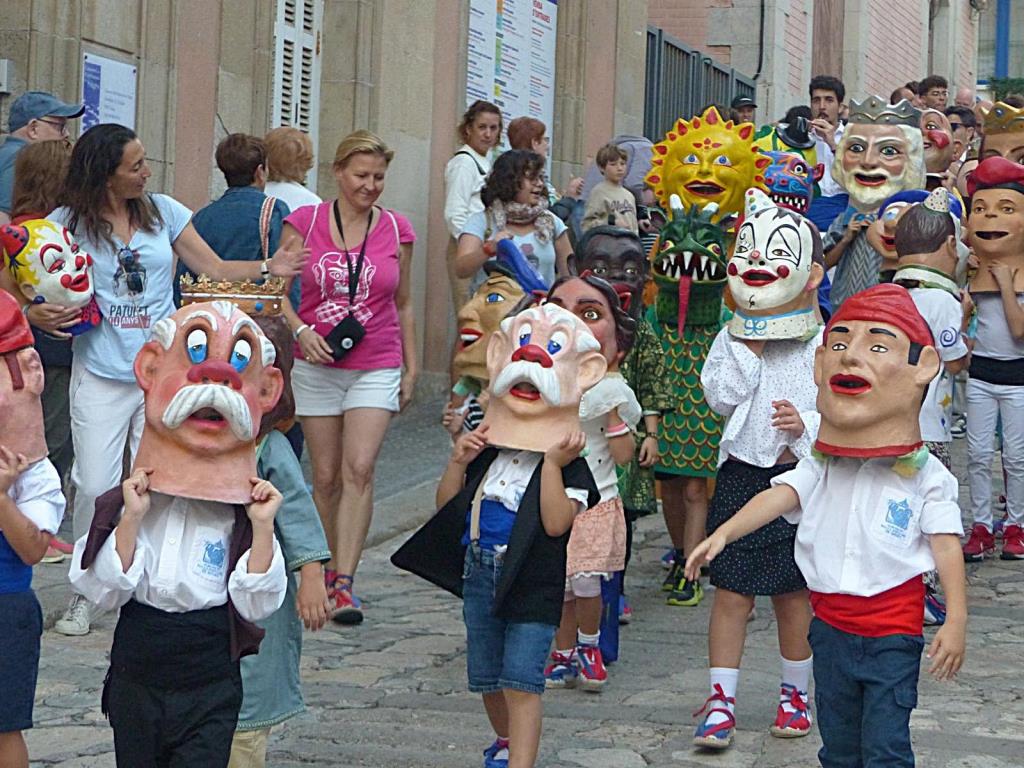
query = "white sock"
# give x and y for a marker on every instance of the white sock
(797, 674)
(584, 639)
(566, 653)
(728, 679)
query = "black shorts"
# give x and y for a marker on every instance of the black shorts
(760, 563)
(21, 626)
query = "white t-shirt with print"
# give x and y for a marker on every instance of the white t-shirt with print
(944, 315)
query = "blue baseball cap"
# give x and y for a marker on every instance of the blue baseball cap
(33, 105)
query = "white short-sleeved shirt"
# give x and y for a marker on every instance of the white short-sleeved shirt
(741, 386)
(181, 564)
(540, 255)
(944, 315)
(863, 529)
(38, 496)
(133, 290)
(610, 393)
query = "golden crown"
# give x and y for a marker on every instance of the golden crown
(263, 298)
(1003, 118)
(875, 110)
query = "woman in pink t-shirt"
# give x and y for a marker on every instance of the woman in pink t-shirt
(354, 334)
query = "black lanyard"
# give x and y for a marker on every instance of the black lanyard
(353, 277)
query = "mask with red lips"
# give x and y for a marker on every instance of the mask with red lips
(208, 376)
(540, 362)
(776, 263)
(49, 266)
(872, 370)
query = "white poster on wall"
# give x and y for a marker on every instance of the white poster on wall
(511, 56)
(109, 91)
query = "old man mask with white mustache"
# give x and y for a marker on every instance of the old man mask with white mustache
(540, 362)
(208, 376)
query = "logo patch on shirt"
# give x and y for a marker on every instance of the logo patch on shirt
(211, 562)
(897, 521)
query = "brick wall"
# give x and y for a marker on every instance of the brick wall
(894, 54)
(798, 46)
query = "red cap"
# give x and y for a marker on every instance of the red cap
(994, 172)
(15, 332)
(889, 304)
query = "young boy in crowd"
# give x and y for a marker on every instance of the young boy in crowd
(609, 198)
(499, 540)
(31, 508)
(874, 511)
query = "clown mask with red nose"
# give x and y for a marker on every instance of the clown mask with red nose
(540, 362)
(774, 272)
(208, 376)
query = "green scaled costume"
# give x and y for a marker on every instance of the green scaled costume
(689, 272)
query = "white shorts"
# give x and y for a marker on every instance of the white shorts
(323, 391)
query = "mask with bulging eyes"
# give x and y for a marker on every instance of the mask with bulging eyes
(773, 260)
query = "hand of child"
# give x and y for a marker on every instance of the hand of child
(567, 449)
(11, 465)
(648, 456)
(1002, 274)
(266, 500)
(469, 446)
(704, 553)
(311, 601)
(136, 493)
(947, 650)
(786, 418)
(451, 420)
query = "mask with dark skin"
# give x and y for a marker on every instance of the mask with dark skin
(616, 255)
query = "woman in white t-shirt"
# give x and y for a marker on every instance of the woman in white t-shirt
(289, 158)
(464, 176)
(516, 208)
(135, 239)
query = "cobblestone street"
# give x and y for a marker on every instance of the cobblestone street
(391, 693)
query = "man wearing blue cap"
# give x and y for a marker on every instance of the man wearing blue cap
(34, 116)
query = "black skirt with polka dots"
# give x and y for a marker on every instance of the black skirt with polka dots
(760, 563)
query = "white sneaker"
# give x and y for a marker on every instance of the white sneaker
(75, 620)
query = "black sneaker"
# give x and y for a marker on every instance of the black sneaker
(686, 593)
(675, 573)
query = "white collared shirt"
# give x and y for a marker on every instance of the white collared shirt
(510, 473)
(829, 187)
(741, 386)
(181, 564)
(863, 529)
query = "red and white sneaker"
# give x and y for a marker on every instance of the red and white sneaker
(981, 544)
(1013, 543)
(593, 675)
(792, 724)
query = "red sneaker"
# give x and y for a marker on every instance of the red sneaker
(790, 725)
(1013, 543)
(593, 675)
(981, 544)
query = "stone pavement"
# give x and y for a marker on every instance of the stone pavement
(391, 693)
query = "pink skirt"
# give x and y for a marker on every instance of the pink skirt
(597, 543)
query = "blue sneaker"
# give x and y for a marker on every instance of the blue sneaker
(934, 609)
(719, 735)
(496, 755)
(668, 558)
(562, 671)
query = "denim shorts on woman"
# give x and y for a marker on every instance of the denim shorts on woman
(21, 626)
(499, 654)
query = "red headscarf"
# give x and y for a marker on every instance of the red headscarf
(886, 303)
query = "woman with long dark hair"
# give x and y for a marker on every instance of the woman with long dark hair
(135, 239)
(516, 207)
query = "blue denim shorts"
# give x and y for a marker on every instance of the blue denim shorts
(499, 654)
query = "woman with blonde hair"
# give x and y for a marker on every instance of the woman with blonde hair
(289, 158)
(354, 334)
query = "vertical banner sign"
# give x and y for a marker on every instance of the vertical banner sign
(109, 90)
(511, 57)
